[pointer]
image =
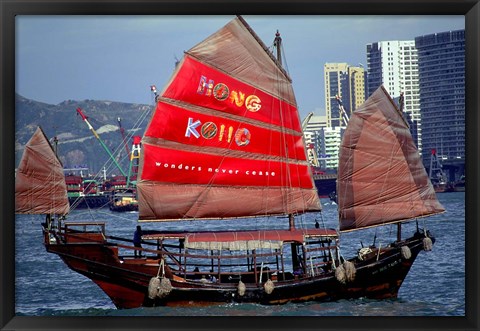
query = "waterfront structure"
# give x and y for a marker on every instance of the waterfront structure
(313, 135)
(347, 82)
(441, 61)
(394, 64)
(325, 140)
(332, 139)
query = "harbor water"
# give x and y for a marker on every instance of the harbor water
(435, 286)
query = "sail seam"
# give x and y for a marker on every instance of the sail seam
(219, 151)
(389, 223)
(232, 186)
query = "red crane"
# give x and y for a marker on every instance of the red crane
(122, 131)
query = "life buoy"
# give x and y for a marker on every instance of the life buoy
(406, 253)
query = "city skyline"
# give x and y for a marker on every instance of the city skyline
(117, 58)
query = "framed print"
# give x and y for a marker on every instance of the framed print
(299, 166)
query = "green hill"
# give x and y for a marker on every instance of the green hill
(77, 146)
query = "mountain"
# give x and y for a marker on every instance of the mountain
(77, 146)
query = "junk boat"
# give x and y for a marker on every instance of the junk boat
(225, 143)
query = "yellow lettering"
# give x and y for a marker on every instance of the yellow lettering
(238, 98)
(253, 103)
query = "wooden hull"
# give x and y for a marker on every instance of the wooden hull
(89, 201)
(126, 281)
(325, 184)
(124, 208)
(440, 188)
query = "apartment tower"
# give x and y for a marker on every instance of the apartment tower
(346, 82)
(441, 61)
(394, 64)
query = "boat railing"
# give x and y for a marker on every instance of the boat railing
(70, 232)
(255, 266)
(231, 266)
(227, 266)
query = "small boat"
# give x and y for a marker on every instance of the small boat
(459, 186)
(85, 192)
(325, 183)
(40, 165)
(123, 200)
(437, 175)
(225, 144)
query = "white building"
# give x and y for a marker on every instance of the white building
(394, 64)
(332, 140)
(313, 136)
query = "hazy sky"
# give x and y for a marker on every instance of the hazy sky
(117, 58)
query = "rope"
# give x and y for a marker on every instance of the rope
(162, 267)
(159, 286)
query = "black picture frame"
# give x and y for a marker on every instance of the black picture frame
(11, 8)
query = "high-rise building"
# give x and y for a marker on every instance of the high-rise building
(394, 64)
(314, 140)
(441, 60)
(346, 82)
(332, 139)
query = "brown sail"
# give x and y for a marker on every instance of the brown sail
(40, 183)
(381, 178)
(225, 140)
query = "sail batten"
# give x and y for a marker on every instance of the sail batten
(40, 183)
(225, 139)
(381, 178)
(218, 151)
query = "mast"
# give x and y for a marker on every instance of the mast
(55, 146)
(399, 224)
(85, 119)
(278, 43)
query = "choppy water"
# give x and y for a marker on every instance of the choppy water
(435, 285)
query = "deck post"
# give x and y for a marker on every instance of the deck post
(291, 222)
(304, 258)
(255, 265)
(283, 265)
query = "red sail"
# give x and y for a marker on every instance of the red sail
(225, 139)
(381, 178)
(40, 183)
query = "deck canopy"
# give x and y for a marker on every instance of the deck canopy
(242, 240)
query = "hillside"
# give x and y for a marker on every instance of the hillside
(77, 146)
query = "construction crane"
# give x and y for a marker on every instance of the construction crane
(310, 147)
(343, 113)
(306, 120)
(85, 119)
(122, 131)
